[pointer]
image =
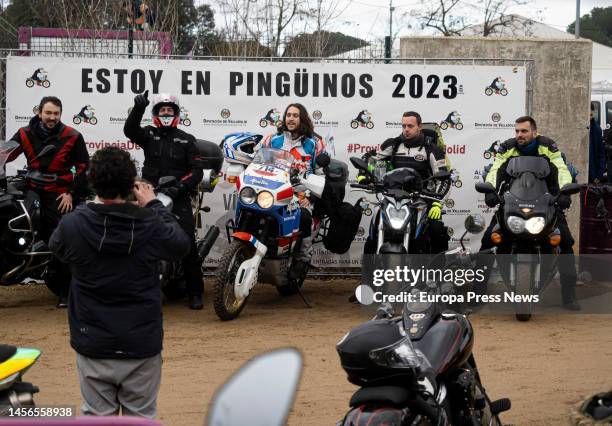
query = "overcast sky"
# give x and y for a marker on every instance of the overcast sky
(369, 19)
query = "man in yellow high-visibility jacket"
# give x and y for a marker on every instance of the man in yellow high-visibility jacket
(528, 142)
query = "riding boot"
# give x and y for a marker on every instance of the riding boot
(568, 293)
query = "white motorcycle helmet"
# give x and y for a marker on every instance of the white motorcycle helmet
(165, 99)
(240, 147)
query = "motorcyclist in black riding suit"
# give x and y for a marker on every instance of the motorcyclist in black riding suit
(528, 142)
(170, 151)
(413, 149)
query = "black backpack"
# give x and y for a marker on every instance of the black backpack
(344, 219)
(343, 226)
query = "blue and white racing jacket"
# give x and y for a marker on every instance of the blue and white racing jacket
(302, 148)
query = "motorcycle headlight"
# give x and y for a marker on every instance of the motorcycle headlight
(397, 217)
(401, 354)
(535, 225)
(265, 199)
(516, 224)
(248, 195)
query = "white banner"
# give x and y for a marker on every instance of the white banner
(360, 105)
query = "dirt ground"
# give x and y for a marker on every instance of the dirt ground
(545, 366)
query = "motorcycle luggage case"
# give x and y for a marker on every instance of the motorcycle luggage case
(211, 155)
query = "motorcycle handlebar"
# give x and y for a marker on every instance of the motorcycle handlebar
(380, 189)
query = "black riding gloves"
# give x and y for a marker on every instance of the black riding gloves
(491, 199)
(141, 101)
(564, 201)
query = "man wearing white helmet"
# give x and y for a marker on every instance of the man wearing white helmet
(170, 151)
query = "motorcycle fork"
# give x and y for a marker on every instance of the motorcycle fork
(537, 275)
(381, 232)
(535, 272)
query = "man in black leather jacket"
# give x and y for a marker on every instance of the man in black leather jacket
(170, 151)
(413, 149)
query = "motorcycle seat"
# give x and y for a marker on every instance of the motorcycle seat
(7, 352)
(393, 395)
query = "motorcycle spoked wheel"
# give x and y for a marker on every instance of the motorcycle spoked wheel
(524, 286)
(224, 301)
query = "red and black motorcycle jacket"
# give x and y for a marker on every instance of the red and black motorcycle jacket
(70, 153)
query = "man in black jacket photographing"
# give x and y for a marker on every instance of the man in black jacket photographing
(113, 248)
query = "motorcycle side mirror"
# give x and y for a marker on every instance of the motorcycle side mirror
(323, 159)
(443, 174)
(474, 223)
(8, 146)
(359, 163)
(165, 200)
(47, 150)
(262, 391)
(485, 188)
(570, 188)
(166, 181)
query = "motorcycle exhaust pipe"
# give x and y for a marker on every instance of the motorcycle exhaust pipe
(208, 241)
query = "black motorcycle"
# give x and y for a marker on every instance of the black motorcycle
(22, 253)
(417, 368)
(211, 158)
(401, 219)
(526, 233)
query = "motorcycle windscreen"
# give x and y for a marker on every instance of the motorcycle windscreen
(525, 188)
(539, 166)
(6, 149)
(278, 158)
(404, 178)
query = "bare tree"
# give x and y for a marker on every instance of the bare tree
(319, 18)
(440, 16)
(265, 22)
(484, 17)
(496, 14)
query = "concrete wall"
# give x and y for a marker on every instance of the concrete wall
(561, 83)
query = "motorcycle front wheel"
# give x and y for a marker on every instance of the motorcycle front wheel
(524, 286)
(224, 300)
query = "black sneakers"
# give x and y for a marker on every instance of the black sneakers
(62, 302)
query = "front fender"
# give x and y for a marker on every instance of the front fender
(249, 238)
